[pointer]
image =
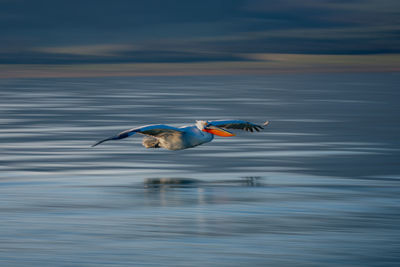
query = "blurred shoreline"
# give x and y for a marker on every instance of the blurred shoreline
(253, 64)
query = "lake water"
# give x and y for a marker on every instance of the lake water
(320, 186)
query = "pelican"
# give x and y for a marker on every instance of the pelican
(172, 138)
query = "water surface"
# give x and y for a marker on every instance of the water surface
(319, 187)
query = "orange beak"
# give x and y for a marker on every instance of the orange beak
(218, 131)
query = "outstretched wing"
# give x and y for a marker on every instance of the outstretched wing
(152, 130)
(238, 124)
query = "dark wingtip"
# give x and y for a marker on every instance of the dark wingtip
(99, 142)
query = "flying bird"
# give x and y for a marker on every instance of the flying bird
(172, 138)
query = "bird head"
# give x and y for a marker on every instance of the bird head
(205, 126)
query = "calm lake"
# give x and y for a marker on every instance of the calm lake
(320, 186)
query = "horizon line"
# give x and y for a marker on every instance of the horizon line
(257, 64)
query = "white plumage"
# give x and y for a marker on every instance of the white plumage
(173, 138)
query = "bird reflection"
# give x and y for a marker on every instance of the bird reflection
(175, 182)
(178, 191)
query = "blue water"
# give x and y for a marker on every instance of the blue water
(320, 186)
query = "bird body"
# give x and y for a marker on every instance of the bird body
(173, 138)
(185, 137)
